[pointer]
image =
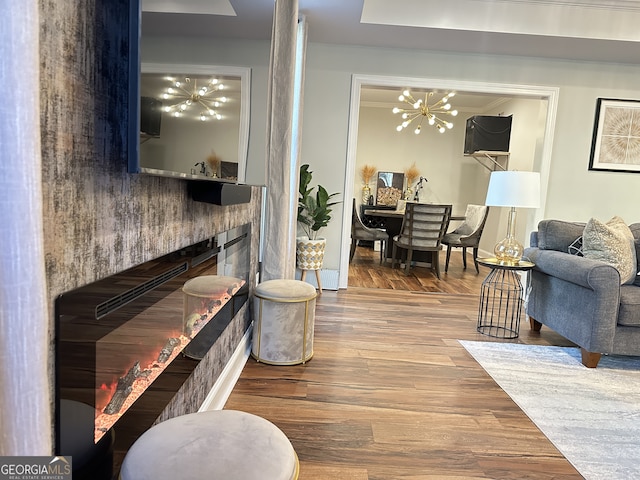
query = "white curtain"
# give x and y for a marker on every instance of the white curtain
(283, 138)
(25, 417)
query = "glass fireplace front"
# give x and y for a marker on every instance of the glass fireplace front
(116, 336)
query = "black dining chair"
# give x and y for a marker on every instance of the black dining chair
(423, 228)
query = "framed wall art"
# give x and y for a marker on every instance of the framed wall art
(616, 136)
(389, 189)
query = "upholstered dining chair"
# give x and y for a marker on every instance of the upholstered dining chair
(423, 227)
(359, 231)
(467, 234)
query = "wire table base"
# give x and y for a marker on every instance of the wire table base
(500, 304)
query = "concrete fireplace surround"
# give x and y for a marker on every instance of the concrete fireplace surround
(98, 219)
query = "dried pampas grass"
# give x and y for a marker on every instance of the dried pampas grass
(214, 161)
(412, 173)
(367, 172)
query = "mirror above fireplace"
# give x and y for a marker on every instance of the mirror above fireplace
(194, 121)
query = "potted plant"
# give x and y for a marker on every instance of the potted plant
(314, 213)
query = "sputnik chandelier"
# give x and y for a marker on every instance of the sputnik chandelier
(421, 110)
(190, 94)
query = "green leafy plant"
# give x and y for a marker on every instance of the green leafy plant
(314, 211)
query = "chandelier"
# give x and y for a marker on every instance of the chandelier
(199, 97)
(421, 110)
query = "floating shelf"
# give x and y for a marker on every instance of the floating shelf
(219, 192)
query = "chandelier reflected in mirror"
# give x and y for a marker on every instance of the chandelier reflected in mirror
(198, 97)
(422, 110)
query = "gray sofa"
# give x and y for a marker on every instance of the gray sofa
(581, 298)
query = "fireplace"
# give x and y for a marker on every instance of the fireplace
(141, 332)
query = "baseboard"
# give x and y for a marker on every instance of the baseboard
(219, 394)
(329, 278)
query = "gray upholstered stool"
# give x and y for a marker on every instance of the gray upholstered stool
(204, 296)
(216, 445)
(284, 313)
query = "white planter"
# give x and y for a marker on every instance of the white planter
(310, 253)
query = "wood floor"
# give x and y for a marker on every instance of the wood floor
(391, 394)
(365, 270)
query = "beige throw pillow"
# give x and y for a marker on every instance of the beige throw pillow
(611, 243)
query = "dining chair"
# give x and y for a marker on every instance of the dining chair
(467, 234)
(359, 231)
(423, 227)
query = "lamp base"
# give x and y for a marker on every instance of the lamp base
(509, 251)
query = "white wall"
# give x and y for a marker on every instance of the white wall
(185, 142)
(573, 193)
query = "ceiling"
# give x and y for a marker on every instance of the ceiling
(598, 30)
(587, 30)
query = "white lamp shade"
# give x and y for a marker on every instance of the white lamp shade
(514, 189)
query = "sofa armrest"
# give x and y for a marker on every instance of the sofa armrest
(586, 272)
(577, 297)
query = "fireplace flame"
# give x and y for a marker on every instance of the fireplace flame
(151, 368)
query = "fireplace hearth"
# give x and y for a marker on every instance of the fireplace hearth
(119, 337)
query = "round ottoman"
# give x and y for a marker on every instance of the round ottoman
(212, 445)
(284, 313)
(204, 296)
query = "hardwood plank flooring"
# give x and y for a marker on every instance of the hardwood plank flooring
(391, 394)
(365, 270)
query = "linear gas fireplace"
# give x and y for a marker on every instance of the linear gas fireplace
(116, 338)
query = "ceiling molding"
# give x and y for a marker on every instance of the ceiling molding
(595, 31)
(546, 18)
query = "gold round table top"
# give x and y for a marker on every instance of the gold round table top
(493, 262)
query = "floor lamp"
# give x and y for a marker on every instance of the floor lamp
(514, 190)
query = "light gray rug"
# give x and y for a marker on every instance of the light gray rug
(591, 415)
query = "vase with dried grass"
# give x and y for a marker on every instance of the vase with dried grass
(411, 174)
(367, 172)
(214, 164)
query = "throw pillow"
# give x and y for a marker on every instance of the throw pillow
(576, 247)
(611, 243)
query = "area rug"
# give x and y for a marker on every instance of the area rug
(591, 415)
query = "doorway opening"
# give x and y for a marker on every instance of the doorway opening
(372, 99)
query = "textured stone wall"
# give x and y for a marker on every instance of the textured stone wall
(99, 219)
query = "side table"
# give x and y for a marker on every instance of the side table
(501, 298)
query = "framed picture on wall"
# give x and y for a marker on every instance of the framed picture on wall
(616, 136)
(389, 188)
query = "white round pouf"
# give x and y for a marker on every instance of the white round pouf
(215, 445)
(284, 314)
